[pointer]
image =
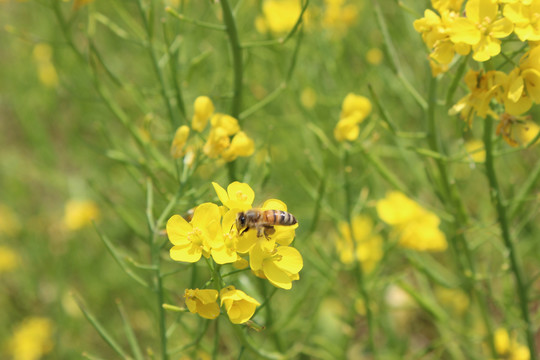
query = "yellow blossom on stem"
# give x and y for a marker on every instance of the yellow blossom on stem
(203, 109)
(481, 29)
(415, 227)
(226, 122)
(31, 339)
(80, 213)
(202, 302)
(364, 245)
(179, 141)
(239, 306)
(280, 266)
(241, 145)
(526, 132)
(526, 19)
(238, 195)
(354, 110)
(224, 248)
(218, 140)
(196, 238)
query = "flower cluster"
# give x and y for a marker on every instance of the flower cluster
(212, 233)
(31, 339)
(47, 74)
(79, 214)
(509, 348)
(479, 29)
(224, 139)
(354, 110)
(364, 245)
(415, 227)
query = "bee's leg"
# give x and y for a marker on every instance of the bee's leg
(260, 230)
(269, 230)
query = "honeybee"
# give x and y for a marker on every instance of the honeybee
(263, 221)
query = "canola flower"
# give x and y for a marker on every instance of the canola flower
(477, 26)
(509, 348)
(415, 227)
(47, 74)
(224, 140)
(278, 16)
(363, 246)
(211, 233)
(31, 339)
(79, 214)
(354, 110)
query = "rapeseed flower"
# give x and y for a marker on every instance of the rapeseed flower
(202, 302)
(31, 339)
(179, 141)
(509, 348)
(279, 16)
(80, 213)
(363, 245)
(194, 239)
(415, 227)
(238, 195)
(241, 145)
(9, 259)
(354, 110)
(240, 307)
(203, 108)
(475, 150)
(526, 19)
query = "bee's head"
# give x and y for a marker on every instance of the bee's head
(241, 220)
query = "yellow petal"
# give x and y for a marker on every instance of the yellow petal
(189, 253)
(276, 276)
(177, 230)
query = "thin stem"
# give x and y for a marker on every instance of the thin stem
(236, 49)
(498, 202)
(358, 270)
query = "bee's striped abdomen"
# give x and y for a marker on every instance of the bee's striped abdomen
(278, 217)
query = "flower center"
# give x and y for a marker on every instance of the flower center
(195, 236)
(241, 196)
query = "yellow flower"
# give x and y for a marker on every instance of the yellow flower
(476, 151)
(238, 195)
(279, 16)
(203, 109)
(525, 18)
(80, 213)
(239, 306)
(218, 140)
(365, 246)
(374, 56)
(339, 17)
(31, 339)
(226, 122)
(508, 347)
(194, 239)
(415, 227)
(9, 259)
(527, 132)
(179, 141)
(202, 302)
(241, 145)
(481, 29)
(356, 105)
(347, 129)
(46, 71)
(280, 266)
(224, 248)
(9, 223)
(308, 98)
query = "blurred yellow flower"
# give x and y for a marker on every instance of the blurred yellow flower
(9, 259)
(374, 56)
(80, 213)
(226, 122)
(508, 347)
(338, 17)
(476, 151)
(364, 246)
(203, 109)
(527, 132)
(31, 339)
(218, 140)
(308, 98)
(202, 302)
(415, 227)
(9, 222)
(354, 110)
(42, 55)
(279, 16)
(179, 141)
(239, 306)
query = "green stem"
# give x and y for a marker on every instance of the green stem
(497, 200)
(236, 49)
(358, 270)
(451, 196)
